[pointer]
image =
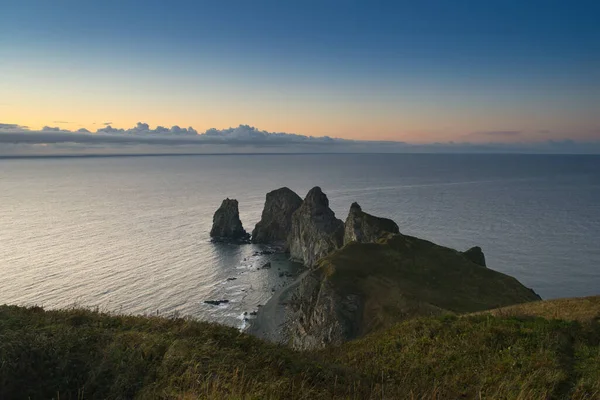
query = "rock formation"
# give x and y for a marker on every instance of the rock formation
(476, 255)
(276, 221)
(362, 288)
(366, 228)
(315, 231)
(227, 224)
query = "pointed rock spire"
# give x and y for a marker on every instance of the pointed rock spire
(315, 231)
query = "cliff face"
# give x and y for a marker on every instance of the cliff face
(315, 230)
(276, 221)
(365, 228)
(365, 287)
(476, 255)
(320, 316)
(227, 224)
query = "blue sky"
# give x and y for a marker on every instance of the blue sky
(417, 72)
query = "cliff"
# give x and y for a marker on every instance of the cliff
(364, 228)
(275, 223)
(227, 224)
(365, 287)
(315, 230)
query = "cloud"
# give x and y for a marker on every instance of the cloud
(245, 138)
(143, 129)
(250, 133)
(51, 129)
(13, 128)
(60, 122)
(497, 133)
(176, 130)
(110, 130)
(105, 123)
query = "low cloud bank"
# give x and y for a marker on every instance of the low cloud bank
(18, 140)
(243, 135)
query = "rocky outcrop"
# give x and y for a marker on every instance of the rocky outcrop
(275, 223)
(227, 224)
(366, 228)
(365, 287)
(476, 255)
(315, 231)
(320, 316)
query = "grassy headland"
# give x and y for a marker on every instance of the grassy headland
(75, 354)
(366, 287)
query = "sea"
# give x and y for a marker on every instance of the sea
(130, 234)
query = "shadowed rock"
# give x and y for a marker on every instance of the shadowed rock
(366, 228)
(365, 287)
(227, 224)
(476, 255)
(315, 231)
(276, 221)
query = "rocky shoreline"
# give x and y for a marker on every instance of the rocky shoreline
(362, 274)
(272, 319)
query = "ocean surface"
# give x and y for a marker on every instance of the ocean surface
(130, 234)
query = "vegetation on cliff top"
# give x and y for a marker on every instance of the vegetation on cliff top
(401, 277)
(84, 354)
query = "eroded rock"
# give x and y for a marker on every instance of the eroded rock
(216, 302)
(276, 220)
(476, 255)
(227, 224)
(362, 288)
(366, 228)
(315, 230)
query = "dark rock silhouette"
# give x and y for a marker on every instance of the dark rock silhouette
(366, 228)
(476, 255)
(276, 220)
(216, 302)
(315, 231)
(227, 224)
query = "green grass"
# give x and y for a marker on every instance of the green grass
(401, 277)
(79, 354)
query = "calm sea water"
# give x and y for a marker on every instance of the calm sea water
(130, 234)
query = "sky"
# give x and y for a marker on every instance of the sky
(427, 72)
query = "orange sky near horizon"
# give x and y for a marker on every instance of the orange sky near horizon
(361, 71)
(414, 123)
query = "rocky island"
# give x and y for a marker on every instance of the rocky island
(227, 225)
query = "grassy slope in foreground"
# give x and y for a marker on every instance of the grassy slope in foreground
(83, 354)
(403, 276)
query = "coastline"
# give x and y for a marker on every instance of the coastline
(271, 318)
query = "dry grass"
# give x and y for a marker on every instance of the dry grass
(79, 354)
(576, 309)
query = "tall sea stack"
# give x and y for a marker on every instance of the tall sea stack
(316, 231)
(276, 221)
(227, 224)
